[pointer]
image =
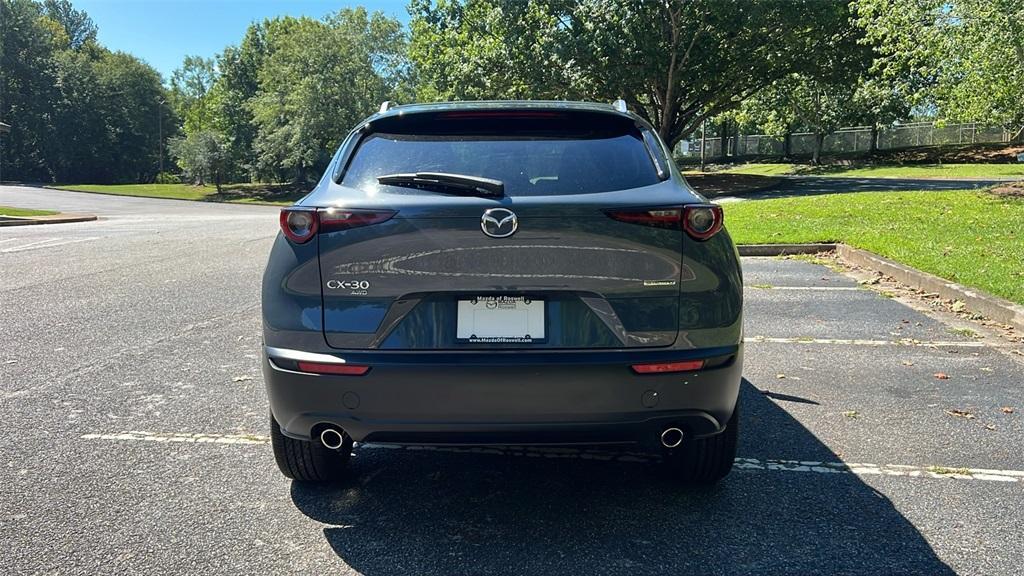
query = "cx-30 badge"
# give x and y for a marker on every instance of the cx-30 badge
(499, 223)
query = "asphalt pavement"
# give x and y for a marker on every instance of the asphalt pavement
(135, 422)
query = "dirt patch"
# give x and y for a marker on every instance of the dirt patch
(967, 154)
(712, 185)
(1008, 190)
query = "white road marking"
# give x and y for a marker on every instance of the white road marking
(818, 288)
(8, 240)
(748, 464)
(48, 243)
(861, 342)
(191, 438)
(861, 469)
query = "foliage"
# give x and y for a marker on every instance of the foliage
(77, 111)
(966, 55)
(201, 155)
(676, 62)
(166, 178)
(317, 80)
(961, 235)
(190, 92)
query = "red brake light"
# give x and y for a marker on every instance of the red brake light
(333, 219)
(702, 221)
(658, 217)
(340, 369)
(664, 367)
(299, 224)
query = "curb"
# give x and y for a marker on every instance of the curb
(54, 219)
(784, 249)
(992, 307)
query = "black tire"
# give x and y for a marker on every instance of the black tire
(306, 461)
(705, 461)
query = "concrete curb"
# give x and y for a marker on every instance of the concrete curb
(784, 249)
(992, 307)
(63, 218)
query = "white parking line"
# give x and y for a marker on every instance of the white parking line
(767, 287)
(47, 243)
(861, 342)
(181, 437)
(748, 464)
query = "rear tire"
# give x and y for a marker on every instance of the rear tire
(705, 461)
(308, 461)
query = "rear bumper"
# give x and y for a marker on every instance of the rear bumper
(505, 397)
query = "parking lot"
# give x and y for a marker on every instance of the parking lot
(875, 438)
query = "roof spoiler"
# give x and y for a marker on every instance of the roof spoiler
(619, 105)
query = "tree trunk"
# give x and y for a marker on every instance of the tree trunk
(723, 136)
(819, 141)
(873, 147)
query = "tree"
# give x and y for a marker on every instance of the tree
(77, 25)
(190, 92)
(675, 62)
(966, 56)
(201, 155)
(317, 80)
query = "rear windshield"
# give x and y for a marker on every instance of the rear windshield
(531, 158)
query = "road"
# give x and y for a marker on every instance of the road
(135, 433)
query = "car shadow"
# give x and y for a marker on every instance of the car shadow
(568, 512)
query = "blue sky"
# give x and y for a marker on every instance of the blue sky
(162, 32)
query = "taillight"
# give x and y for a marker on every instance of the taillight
(659, 217)
(333, 219)
(300, 224)
(666, 367)
(333, 369)
(701, 221)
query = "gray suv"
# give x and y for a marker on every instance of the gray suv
(503, 273)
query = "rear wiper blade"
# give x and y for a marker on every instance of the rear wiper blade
(450, 183)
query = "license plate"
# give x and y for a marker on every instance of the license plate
(500, 319)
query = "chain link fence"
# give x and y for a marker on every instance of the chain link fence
(848, 140)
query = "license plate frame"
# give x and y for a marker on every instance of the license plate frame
(501, 320)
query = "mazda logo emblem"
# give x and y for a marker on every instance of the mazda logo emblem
(499, 223)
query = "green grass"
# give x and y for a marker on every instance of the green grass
(890, 171)
(969, 237)
(239, 193)
(9, 211)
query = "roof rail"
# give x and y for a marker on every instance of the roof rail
(619, 105)
(387, 105)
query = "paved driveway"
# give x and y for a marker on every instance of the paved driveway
(134, 426)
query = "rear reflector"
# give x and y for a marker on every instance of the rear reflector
(342, 369)
(663, 367)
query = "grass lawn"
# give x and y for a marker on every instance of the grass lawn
(890, 171)
(970, 237)
(242, 193)
(9, 211)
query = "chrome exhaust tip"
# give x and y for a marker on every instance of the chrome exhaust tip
(671, 437)
(332, 438)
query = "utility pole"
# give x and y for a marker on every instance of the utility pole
(160, 133)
